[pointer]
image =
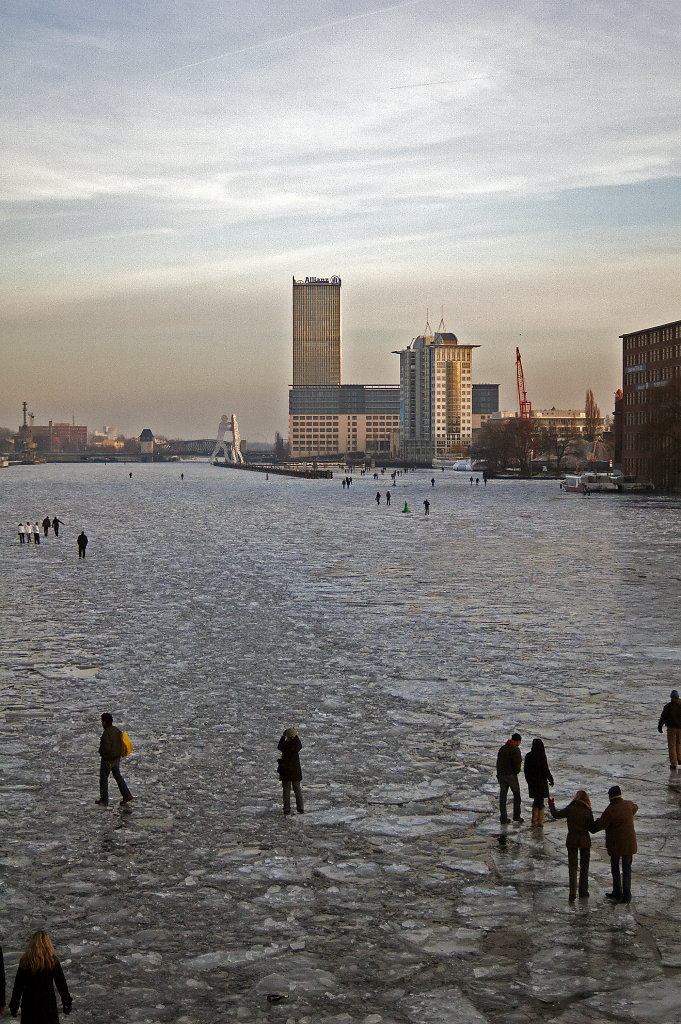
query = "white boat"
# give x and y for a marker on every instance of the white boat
(591, 483)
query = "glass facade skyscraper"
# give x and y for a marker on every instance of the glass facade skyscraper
(317, 332)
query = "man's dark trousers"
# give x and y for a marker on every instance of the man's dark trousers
(104, 768)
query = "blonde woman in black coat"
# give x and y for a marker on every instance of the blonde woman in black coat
(38, 972)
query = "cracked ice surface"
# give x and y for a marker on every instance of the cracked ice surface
(210, 614)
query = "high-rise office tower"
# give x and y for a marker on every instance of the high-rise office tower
(436, 396)
(317, 332)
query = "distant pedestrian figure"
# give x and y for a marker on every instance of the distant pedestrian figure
(580, 821)
(538, 778)
(671, 717)
(82, 544)
(426, 506)
(471, 481)
(620, 841)
(46, 525)
(477, 481)
(36, 533)
(432, 481)
(388, 496)
(344, 483)
(378, 497)
(110, 752)
(56, 523)
(22, 533)
(38, 972)
(130, 475)
(182, 476)
(406, 508)
(509, 763)
(29, 533)
(289, 769)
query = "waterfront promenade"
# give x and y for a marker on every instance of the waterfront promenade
(212, 612)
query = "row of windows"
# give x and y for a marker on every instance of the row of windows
(652, 337)
(652, 376)
(656, 355)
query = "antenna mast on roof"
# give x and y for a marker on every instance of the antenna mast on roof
(442, 329)
(428, 328)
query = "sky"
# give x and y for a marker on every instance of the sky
(168, 167)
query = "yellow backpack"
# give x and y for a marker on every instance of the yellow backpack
(126, 744)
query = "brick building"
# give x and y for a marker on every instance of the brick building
(651, 361)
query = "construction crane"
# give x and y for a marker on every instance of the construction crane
(523, 402)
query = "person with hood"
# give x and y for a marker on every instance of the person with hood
(289, 769)
(38, 972)
(46, 525)
(509, 763)
(620, 841)
(671, 717)
(538, 778)
(580, 821)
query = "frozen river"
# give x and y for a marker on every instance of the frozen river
(213, 612)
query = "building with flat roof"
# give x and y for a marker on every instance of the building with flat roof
(436, 397)
(343, 421)
(651, 361)
(485, 402)
(60, 437)
(317, 332)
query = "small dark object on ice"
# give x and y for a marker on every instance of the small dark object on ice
(277, 997)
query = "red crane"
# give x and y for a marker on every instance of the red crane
(523, 401)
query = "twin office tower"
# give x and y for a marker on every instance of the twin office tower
(427, 416)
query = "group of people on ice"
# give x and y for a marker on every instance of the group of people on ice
(617, 820)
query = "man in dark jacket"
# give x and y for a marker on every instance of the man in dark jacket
(620, 842)
(110, 753)
(509, 762)
(289, 769)
(671, 717)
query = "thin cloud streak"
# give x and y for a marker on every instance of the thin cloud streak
(444, 81)
(294, 35)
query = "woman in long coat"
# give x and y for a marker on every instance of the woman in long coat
(539, 778)
(289, 769)
(580, 822)
(38, 972)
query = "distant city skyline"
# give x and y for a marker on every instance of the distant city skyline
(167, 170)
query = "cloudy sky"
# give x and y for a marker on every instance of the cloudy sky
(167, 167)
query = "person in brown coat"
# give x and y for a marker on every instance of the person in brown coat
(620, 841)
(580, 821)
(671, 717)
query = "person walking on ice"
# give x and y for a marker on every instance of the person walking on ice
(671, 717)
(110, 752)
(289, 769)
(22, 533)
(56, 523)
(509, 763)
(82, 543)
